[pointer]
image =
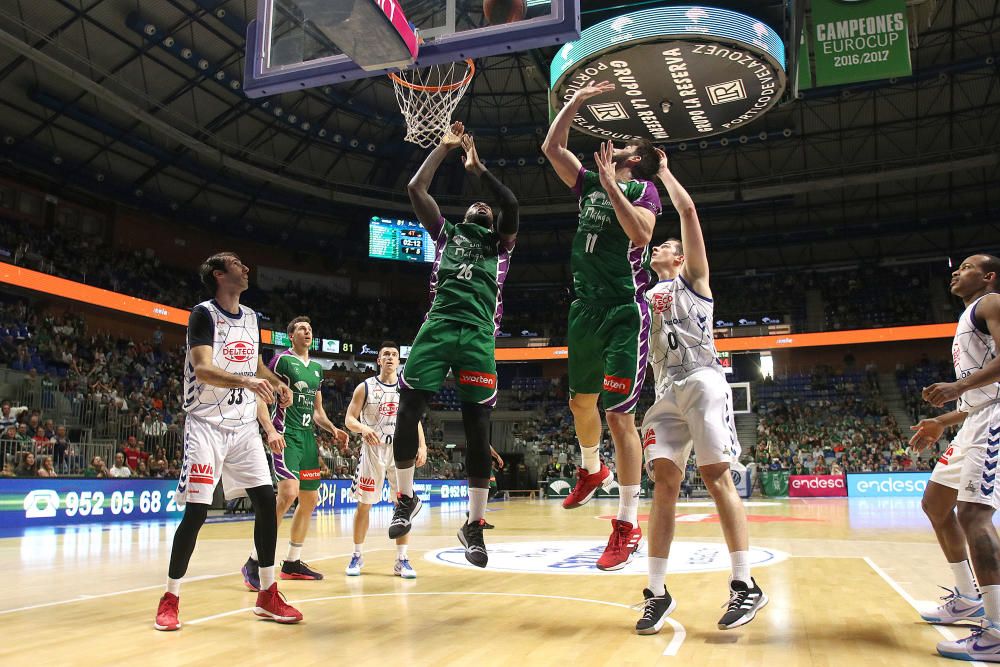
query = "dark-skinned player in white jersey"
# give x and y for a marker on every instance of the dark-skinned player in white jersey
(962, 496)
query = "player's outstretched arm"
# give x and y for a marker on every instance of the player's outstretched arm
(353, 419)
(555, 148)
(427, 210)
(509, 219)
(323, 421)
(988, 311)
(636, 221)
(207, 372)
(695, 255)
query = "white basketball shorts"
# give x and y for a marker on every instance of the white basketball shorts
(969, 465)
(694, 412)
(374, 466)
(212, 453)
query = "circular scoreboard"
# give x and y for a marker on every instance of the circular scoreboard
(680, 73)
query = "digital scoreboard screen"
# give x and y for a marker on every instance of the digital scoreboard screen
(402, 240)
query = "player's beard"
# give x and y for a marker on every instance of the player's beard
(480, 219)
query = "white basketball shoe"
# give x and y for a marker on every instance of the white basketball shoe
(956, 608)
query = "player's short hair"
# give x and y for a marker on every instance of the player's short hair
(991, 264)
(678, 246)
(216, 262)
(650, 163)
(297, 320)
(388, 343)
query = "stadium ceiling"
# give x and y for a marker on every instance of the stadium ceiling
(143, 101)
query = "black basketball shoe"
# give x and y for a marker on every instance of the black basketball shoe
(744, 603)
(471, 537)
(407, 507)
(655, 610)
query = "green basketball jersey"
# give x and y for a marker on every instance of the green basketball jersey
(606, 266)
(304, 380)
(469, 271)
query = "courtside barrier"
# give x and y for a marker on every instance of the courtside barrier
(817, 486)
(887, 484)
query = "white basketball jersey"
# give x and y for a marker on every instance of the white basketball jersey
(380, 408)
(235, 349)
(972, 349)
(680, 338)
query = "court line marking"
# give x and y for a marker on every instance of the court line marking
(945, 631)
(203, 577)
(671, 649)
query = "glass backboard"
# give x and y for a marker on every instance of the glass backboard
(297, 44)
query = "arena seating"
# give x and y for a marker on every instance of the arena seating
(853, 297)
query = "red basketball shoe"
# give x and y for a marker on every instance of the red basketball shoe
(272, 606)
(166, 613)
(622, 545)
(586, 486)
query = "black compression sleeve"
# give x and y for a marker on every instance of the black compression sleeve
(201, 327)
(265, 523)
(412, 407)
(185, 537)
(509, 219)
(476, 419)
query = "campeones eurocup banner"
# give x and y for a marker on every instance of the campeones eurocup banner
(817, 486)
(860, 40)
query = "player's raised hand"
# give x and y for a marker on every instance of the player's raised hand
(262, 388)
(592, 90)
(940, 393)
(606, 165)
(664, 163)
(276, 442)
(928, 431)
(452, 139)
(472, 162)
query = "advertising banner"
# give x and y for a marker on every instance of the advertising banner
(774, 482)
(62, 501)
(860, 40)
(742, 480)
(335, 494)
(887, 484)
(817, 486)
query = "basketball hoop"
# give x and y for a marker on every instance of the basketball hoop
(428, 97)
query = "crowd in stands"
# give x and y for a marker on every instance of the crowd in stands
(877, 296)
(911, 381)
(96, 386)
(827, 422)
(112, 389)
(855, 297)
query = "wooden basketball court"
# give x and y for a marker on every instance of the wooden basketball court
(843, 577)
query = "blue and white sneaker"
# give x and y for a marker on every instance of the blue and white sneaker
(982, 645)
(403, 569)
(354, 567)
(956, 608)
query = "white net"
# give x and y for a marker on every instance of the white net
(428, 97)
